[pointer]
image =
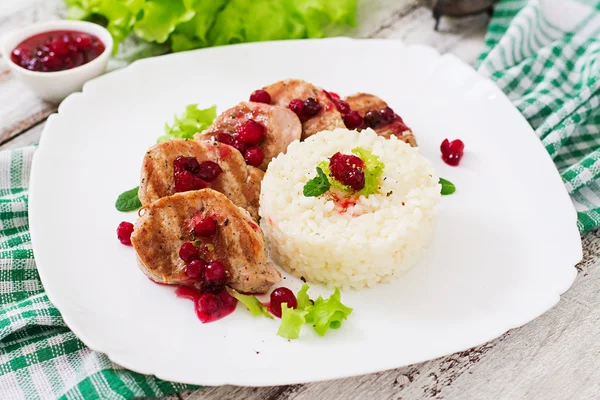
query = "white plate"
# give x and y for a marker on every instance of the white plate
(504, 250)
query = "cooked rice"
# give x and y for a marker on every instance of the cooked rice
(373, 241)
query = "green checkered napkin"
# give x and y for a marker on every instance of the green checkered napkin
(545, 55)
(39, 356)
(546, 60)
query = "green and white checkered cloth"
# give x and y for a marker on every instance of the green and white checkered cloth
(39, 356)
(545, 55)
(546, 59)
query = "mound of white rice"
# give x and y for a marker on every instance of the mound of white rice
(349, 246)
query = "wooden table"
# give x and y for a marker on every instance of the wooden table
(556, 356)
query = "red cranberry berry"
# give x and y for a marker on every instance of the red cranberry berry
(188, 252)
(251, 132)
(297, 106)
(209, 303)
(254, 156)
(452, 152)
(189, 164)
(124, 231)
(19, 53)
(51, 61)
(214, 274)
(83, 41)
(348, 169)
(355, 178)
(59, 47)
(224, 138)
(227, 299)
(186, 181)
(195, 268)
(205, 227)
(209, 170)
(373, 118)
(387, 115)
(260, 96)
(334, 95)
(444, 146)
(231, 140)
(342, 106)
(311, 107)
(457, 146)
(352, 120)
(282, 295)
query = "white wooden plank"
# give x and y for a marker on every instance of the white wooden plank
(31, 136)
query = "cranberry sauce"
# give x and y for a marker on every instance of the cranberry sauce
(190, 174)
(57, 51)
(209, 306)
(246, 140)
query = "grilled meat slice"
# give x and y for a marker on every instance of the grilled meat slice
(282, 126)
(238, 242)
(329, 118)
(238, 181)
(364, 102)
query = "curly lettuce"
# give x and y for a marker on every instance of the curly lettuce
(192, 121)
(322, 314)
(373, 171)
(191, 24)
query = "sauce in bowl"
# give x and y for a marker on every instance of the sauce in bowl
(57, 50)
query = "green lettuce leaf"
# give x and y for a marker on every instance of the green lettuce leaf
(254, 305)
(192, 121)
(327, 314)
(291, 322)
(160, 18)
(373, 170)
(189, 24)
(302, 298)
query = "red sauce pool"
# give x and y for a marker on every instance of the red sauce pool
(57, 51)
(226, 303)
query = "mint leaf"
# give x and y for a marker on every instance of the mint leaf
(291, 322)
(128, 201)
(252, 303)
(447, 187)
(317, 185)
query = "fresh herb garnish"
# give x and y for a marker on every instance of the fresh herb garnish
(291, 322)
(252, 303)
(192, 121)
(323, 314)
(317, 185)
(128, 201)
(373, 170)
(447, 187)
(329, 313)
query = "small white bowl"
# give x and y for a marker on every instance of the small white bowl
(55, 86)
